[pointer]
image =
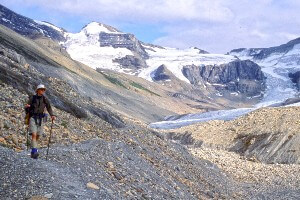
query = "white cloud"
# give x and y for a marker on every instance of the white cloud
(136, 10)
(213, 25)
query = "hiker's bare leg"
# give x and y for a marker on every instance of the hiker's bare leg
(34, 140)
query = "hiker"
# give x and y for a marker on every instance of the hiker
(35, 109)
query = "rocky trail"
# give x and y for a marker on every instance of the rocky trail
(117, 170)
(120, 169)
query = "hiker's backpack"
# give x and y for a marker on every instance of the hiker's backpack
(29, 111)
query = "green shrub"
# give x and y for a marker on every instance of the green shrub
(137, 85)
(64, 124)
(113, 80)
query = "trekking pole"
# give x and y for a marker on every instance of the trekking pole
(27, 138)
(49, 139)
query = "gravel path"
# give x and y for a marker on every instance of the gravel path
(124, 169)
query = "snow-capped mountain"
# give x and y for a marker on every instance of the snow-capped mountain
(28, 27)
(101, 46)
(87, 47)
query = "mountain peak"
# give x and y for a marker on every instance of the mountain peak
(96, 28)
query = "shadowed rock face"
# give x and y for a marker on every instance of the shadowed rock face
(160, 74)
(128, 41)
(237, 76)
(27, 27)
(295, 78)
(131, 62)
(270, 147)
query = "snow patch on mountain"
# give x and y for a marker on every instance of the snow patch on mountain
(6, 20)
(85, 47)
(50, 25)
(175, 59)
(95, 28)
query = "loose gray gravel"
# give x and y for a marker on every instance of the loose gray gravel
(128, 165)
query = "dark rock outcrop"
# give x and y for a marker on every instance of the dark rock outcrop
(270, 147)
(131, 62)
(160, 74)
(201, 51)
(295, 77)
(122, 40)
(237, 76)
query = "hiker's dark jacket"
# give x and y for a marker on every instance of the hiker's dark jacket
(38, 106)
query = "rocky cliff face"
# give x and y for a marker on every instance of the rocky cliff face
(122, 40)
(237, 76)
(130, 42)
(28, 27)
(161, 74)
(295, 78)
(131, 62)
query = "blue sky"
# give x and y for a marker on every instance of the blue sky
(213, 25)
(74, 23)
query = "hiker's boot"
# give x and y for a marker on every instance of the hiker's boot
(34, 153)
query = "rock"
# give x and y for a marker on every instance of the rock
(128, 41)
(295, 77)
(38, 198)
(2, 140)
(118, 175)
(131, 62)
(110, 165)
(92, 186)
(15, 139)
(161, 74)
(242, 76)
(49, 196)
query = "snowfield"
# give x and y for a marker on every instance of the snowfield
(175, 60)
(85, 47)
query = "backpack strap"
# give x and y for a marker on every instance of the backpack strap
(31, 108)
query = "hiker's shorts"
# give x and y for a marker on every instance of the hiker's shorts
(35, 128)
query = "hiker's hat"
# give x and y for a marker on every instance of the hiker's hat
(40, 86)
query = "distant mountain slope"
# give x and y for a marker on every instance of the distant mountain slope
(281, 67)
(28, 27)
